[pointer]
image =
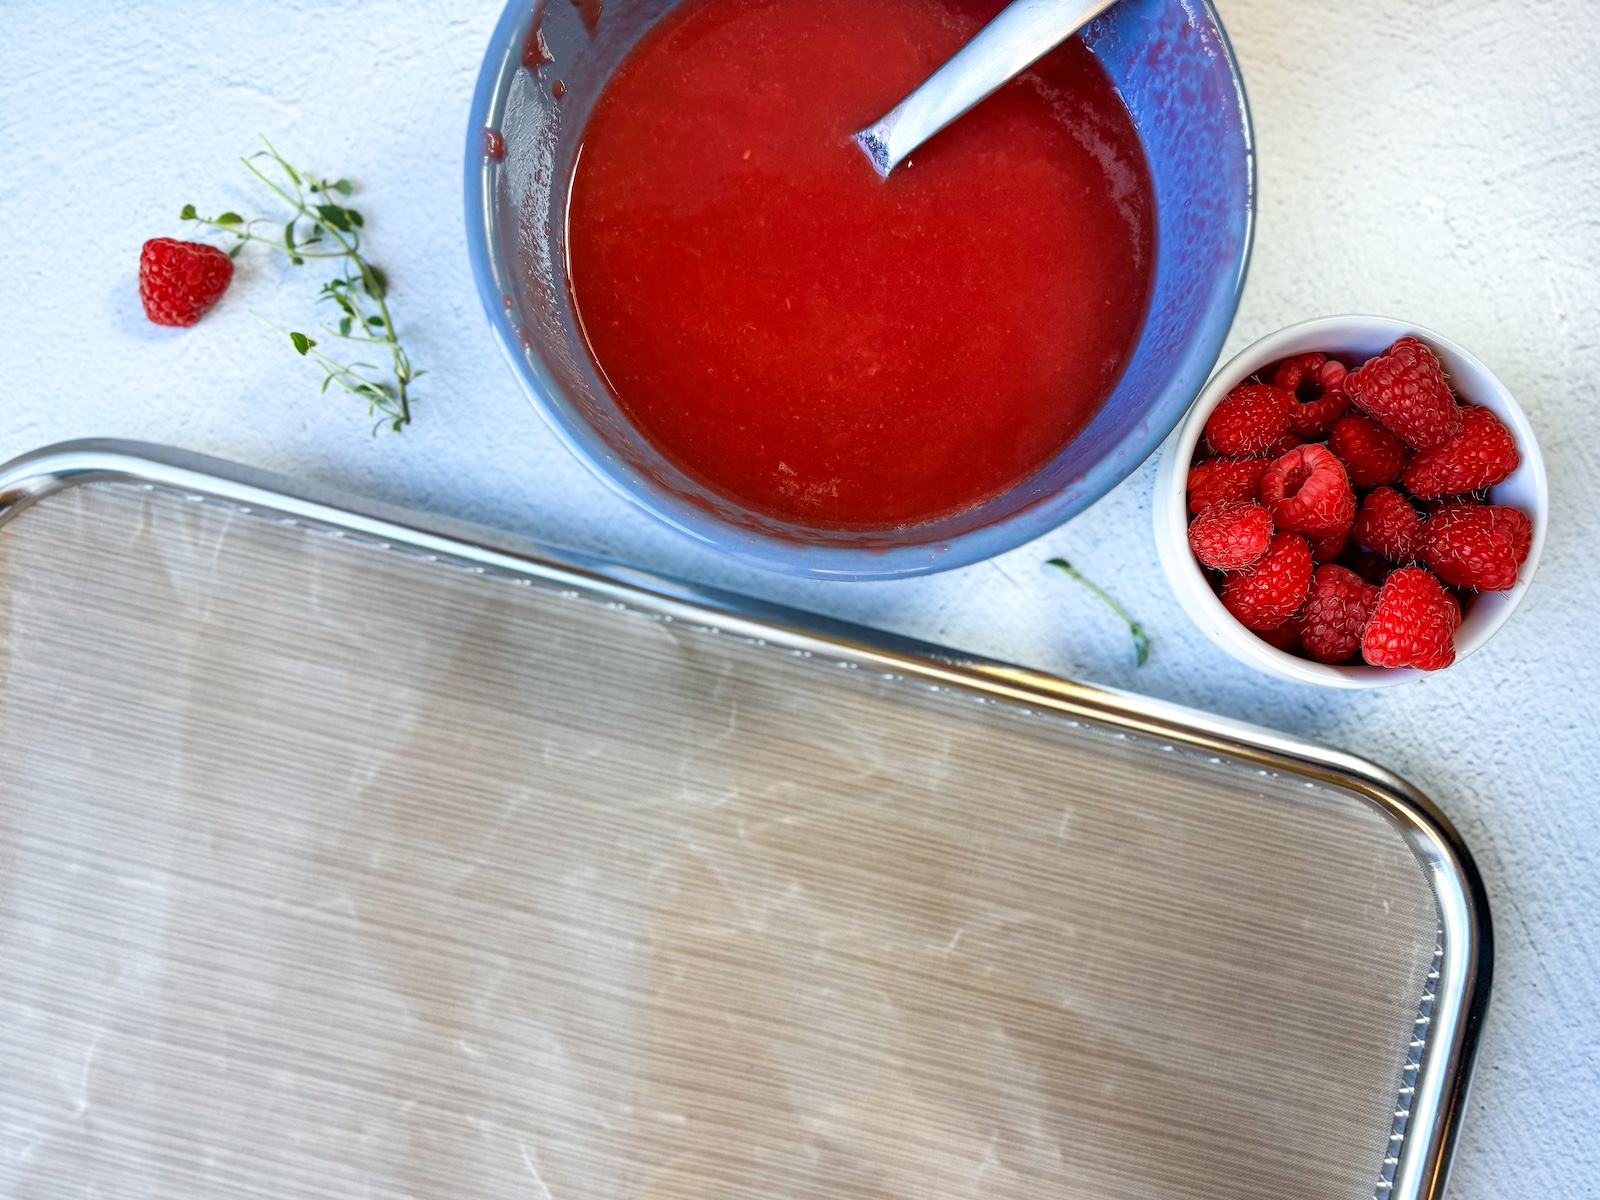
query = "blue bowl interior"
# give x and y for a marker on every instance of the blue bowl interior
(1172, 65)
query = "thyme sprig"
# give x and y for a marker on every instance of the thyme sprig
(1141, 641)
(322, 227)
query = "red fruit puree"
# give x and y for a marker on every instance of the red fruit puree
(823, 345)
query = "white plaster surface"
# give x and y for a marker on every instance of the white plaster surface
(1437, 160)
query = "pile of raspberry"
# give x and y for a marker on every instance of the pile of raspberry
(1343, 515)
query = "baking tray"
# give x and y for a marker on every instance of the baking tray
(351, 852)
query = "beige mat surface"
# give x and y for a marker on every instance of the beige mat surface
(331, 872)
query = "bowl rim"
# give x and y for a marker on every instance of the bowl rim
(793, 556)
(1171, 517)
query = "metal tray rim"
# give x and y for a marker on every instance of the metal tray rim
(1449, 1034)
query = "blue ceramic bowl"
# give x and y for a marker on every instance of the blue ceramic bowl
(1172, 64)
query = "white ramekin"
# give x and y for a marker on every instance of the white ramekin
(1353, 339)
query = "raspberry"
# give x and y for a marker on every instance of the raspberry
(1413, 625)
(1318, 384)
(1285, 637)
(1480, 456)
(180, 281)
(1475, 545)
(1371, 454)
(1292, 372)
(1521, 526)
(1374, 568)
(1231, 536)
(1307, 491)
(1285, 444)
(1313, 419)
(1221, 479)
(1337, 611)
(1389, 525)
(1268, 594)
(1404, 390)
(1455, 610)
(1325, 547)
(1250, 419)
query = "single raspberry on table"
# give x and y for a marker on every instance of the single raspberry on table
(1388, 525)
(1308, 491)
(1317, 382)
(1372, 456)
(1271, 592)
(1250, 420)
(1231, 536)
(1336, 614)
(1413, 625)
(1476, 545)
(1219, 479)
(1404, 390)
(180, 281)
(1481, 455)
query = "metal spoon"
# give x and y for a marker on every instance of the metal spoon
(1024, 32)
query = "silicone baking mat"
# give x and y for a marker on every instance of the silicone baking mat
(328, 870)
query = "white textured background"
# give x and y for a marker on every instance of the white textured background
(1437, 160)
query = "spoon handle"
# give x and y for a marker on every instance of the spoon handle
(1024, 32)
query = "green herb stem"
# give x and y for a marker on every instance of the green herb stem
(359, 284)
(1141, 641)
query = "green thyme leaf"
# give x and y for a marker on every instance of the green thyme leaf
(331, 231)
